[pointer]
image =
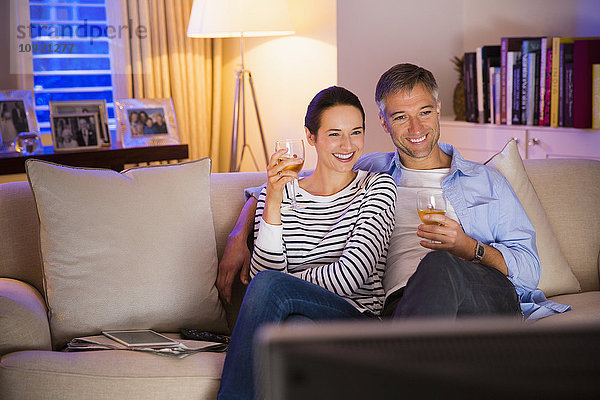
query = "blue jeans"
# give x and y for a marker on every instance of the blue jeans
(274, 297)
(448, 286)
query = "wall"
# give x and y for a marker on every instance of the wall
(288, 71)
(373, 38)
(7, 80)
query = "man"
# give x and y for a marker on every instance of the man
(159, 126)
(480, 258)
(19, 117)
(85, 135)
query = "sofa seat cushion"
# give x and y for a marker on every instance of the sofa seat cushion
(23, 319)
(111, 374)
(129, 250)
(586, 307)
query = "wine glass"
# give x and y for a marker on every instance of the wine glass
(295, 149)
(430, 202)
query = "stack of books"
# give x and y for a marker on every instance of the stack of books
(534, 81)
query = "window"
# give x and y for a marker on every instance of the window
(70, 53)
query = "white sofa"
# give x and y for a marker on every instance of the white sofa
(569, 191)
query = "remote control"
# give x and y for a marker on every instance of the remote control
(195, 334)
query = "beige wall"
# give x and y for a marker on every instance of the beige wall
(7, 80)
(372, 36)
(288, 71)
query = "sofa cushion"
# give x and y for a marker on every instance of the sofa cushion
(127, 250)
(557, 277)
(110, 375)
(585, 308)
(23, 319)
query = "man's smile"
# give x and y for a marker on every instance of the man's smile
(417, 140)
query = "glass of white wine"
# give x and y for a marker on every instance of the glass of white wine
(295, 149)
(430, 202)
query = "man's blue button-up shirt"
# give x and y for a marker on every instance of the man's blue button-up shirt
(489, 211)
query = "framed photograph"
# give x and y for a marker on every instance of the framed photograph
(17, 114)
(79, 131)
(147, 122)
(82, 107)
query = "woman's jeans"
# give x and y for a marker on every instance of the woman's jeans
(274, 297)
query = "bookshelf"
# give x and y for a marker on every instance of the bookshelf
(478, 142)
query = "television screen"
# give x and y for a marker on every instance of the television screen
(483, 358)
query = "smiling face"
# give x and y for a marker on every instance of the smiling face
(412, 119)
(340, 138)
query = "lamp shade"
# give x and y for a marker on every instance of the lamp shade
(232, 18)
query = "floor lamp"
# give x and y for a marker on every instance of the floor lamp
(240, 18)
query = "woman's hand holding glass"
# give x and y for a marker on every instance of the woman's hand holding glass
(280, 171)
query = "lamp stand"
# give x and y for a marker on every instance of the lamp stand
(239, 117)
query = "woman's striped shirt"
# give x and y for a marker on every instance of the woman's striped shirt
(338, 242)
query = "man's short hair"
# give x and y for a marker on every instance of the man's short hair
(404, 77)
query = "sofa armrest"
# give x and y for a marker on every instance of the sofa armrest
(23, 318)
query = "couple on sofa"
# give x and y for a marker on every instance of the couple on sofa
(357, 249)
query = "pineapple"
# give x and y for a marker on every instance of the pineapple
(459, 91)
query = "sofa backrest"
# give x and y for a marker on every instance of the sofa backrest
(19, 235)
(569, 190)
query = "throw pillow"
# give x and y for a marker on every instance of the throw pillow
(127, 250)
(557, 277)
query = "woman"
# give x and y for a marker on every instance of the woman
(327, 260)
(135, 125)
(148, 127)
(7, 127)
(68, 140)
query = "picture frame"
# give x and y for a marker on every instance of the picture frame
(146, 122)
(82, 107)
(77, 131)
(17, 114)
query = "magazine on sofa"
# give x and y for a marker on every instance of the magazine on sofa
(184, 349)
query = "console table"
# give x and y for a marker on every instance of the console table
(110, 157)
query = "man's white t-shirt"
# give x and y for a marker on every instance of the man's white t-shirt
(404, 252)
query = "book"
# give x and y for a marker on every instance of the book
(568, 113)
(487, 56)
(497, 90)
(531, 49)
(506, 93)
(524, 88)
(491, 94)
(470, 81)
(555, 92)
(508, 45)
(585, 54)
(516, 104)
(596, 96)
(565, 102)
(530, 100)
(556, 81)
(542, 81)
(545, 117)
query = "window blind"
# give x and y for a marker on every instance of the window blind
(71, 55)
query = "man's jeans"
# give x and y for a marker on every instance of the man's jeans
(448, 286)
(274, 297)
